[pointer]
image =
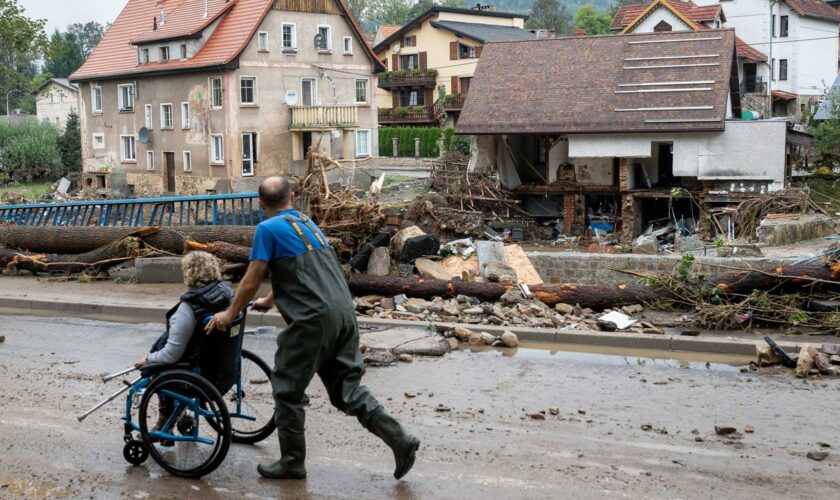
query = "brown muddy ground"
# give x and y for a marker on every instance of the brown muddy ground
(484, 447)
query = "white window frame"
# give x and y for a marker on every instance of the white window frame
(94, 137)
(148, 112)
(241, 79)
(293, 47)
(185, 115)
(329, 36)
(221, 93)
(314, 91)
(163, 124)
(164, 48)
(94, 92)
(217, 153)
(347, 45)
(367, 145)
(123, 157)
(262, 36)
(150, 160)
(356, 90)
(255, 147)
(121, 106)
(184, 52)
(186, 158)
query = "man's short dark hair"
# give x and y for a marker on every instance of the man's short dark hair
(275, 191)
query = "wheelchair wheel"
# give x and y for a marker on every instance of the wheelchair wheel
(135, 452)
(182, 395)
(251, 404)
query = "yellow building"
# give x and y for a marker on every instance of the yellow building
(437, 52)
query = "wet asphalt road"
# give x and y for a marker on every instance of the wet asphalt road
(484, 447)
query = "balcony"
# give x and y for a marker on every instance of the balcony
(411, 114)
(753, 85)
(425, 78)
(323, 117)
(454, 102)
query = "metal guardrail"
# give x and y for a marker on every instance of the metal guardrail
(218, 209)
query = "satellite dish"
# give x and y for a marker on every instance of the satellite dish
(395, 48)
(143, 135)
(319, 41)
(291, 97)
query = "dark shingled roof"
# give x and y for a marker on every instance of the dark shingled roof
(676, 81)
(814, 8)
(485, 32)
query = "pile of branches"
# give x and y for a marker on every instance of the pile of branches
(466, 190)
(340, 214)
(749, 214)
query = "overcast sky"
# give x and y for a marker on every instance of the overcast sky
(60, 13)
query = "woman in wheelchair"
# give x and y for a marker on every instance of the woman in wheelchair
(181, 342)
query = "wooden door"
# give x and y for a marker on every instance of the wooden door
(169, 162)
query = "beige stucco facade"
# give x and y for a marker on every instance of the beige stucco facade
(55, 102)
(161, 166)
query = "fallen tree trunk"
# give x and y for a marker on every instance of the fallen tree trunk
(224, 250)
(80, 239)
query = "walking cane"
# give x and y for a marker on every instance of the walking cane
(110, 398)
(106, 378)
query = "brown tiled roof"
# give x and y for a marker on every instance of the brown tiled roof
(183, 19)
(628, 13)
(781, 95)
(115, 56)
(598, 84)
(388, 30)
(814, 8)
(748, 52)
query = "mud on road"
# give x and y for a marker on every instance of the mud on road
(624, 427)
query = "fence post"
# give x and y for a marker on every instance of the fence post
(417, 147)
(395, 147)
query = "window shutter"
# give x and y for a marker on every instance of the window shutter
(453, 51)
(395, 62)
(429, 98)
(478, 52)
(423, 61)
(395, 99)
(454, 85)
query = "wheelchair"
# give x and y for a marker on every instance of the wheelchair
(225, 397)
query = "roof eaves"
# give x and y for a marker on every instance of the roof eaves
(195, 33)
(437, 24)
(219, 65)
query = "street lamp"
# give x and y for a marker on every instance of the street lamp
(8, 114)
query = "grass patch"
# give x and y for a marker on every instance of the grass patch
(32, 191)
(825, 190)
(391, 179)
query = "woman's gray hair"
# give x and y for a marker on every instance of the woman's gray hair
(200, 269)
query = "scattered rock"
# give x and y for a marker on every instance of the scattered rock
(564, 308)
(454, 345)
(462, 334)
(475, 339)
(606, 326)
(632, 309)
(509, 339)
(380, 262)
(537, 416)
(819, 456)
(699, 439)
(582, 412)
(495, 270)
(512, 296)
(418, 246)
(487, 338)
(834, 359)
(766, 355)
(822, 364)
(387, 304)
(806, 360)
(410, 395)
(2, 338)
(554, 410)
(690, 333)
(430, 269)
(647, 427)
(416, 306)
(406, 358)
(749, 429)
(473, 310)
(442, 408)
(721, 430)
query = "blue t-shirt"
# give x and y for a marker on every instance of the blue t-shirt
(276, 238)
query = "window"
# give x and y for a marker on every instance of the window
(249, 153)
(148, 115)
(129, 151)
(247, 90)
(361, 91)
(308, 92)
(262, 38)
(773, 25)
(325, 42)
(783, 26)
(783, 69)
(125, 97)
(289, 37)
(187, 161)
(348, 44)
(217, 149)
(465, 51)
(164, 53)
(464, 84)
(717, 24)
(216, 92)
(183, 51)
(412, 98)
(150, 160)
(98, 141)
(410, 41)
(145, 55)
(166, 116)
(96, 99)
(185, 115)
(773, 69)
(410, 61)
(363, 143)
(52, 98)
(662, 26)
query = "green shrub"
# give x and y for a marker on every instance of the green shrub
(400, 73)
(29, 150)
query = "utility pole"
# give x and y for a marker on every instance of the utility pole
(8, 114)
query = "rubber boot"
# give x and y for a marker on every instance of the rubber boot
(292, 458)
(403, 445)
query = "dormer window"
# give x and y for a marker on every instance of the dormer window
(183, 51)
(164, 54)
(144, 56)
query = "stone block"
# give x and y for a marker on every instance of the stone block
(159, 270)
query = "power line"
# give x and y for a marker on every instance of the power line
(795, 41)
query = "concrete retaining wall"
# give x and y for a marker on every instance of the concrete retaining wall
(597, 268)
(779, 232)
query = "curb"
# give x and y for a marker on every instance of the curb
(151, 314)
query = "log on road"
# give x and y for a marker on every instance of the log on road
(81, 239)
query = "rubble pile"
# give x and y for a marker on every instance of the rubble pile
(812, 361)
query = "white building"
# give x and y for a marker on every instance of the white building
(55, 100)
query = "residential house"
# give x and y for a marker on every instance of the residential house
(800, 40)
(55, 100)
(436, 54)
(383, 31)
(676, 15)
(606, 145)
(211, 96)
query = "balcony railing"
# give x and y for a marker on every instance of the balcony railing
(324, 117)
(754, 85)
(414, 114)
(408, 78)
(454, 102)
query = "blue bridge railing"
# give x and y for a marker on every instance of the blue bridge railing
(218, 209)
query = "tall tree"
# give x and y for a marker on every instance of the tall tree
(393, 12)
(22, 42)
(70, 146)
(594, 21)
(68, 50)
(549, 14)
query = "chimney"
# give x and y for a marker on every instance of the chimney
(206, 8)
(580, 32)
